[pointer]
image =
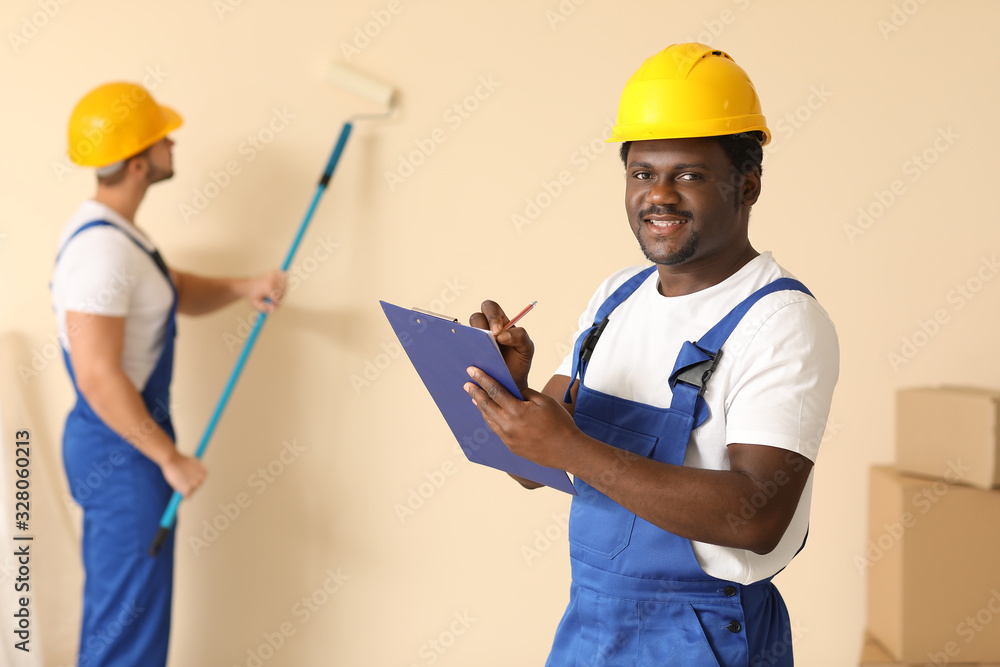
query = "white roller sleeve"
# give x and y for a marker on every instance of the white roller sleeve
(364, 86)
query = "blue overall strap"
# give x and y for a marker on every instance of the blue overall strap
(587, 340)
(154, 254)
(697, 361)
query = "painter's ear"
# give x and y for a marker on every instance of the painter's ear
(751, 188)
(138, 166)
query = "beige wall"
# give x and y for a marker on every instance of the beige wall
(853, 91)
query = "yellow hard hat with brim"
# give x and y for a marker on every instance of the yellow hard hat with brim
(116, 121)
(688, 90)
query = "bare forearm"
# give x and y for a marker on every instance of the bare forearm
(96, 344)
(700, 505)
(198, 295)
(556, 389)
(115, 400)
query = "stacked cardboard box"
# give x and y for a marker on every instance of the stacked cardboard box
(933, 553)
(873, 655)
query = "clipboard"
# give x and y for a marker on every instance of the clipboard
(440, 350)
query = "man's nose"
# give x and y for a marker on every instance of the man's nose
(663, 191)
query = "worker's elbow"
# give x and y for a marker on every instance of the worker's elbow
(526, 483)
(766, 537)
(87, 383)
(763, 547)
(91, 383)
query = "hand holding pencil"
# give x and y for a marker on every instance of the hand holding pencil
(515, 344)
(517, 317)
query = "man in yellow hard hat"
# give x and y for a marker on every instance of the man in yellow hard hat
(692, 407)
(116, 302)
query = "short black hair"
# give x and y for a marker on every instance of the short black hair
(745, 151)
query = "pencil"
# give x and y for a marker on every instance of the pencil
(517, 317)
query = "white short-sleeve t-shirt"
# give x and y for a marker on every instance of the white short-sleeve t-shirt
(103, 272)
(773, 385)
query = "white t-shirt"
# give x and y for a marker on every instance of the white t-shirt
(102, 272)
(773, 384)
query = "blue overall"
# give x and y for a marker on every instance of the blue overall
(639, 595)
(127, 594)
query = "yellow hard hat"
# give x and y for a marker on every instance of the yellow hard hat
(116, 121)
(688, 90)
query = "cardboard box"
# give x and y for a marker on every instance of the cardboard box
(933, 566)
(873, 655)
(949, 433)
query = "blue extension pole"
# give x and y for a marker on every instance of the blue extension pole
(170, 514)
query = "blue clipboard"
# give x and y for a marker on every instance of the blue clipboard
(440, 350)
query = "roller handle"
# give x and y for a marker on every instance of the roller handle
(170, 514)
(166, 523)
(331, 164)
(161, 537)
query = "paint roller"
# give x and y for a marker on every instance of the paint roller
(348, 79)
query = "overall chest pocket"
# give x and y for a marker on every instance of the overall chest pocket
(598, 525)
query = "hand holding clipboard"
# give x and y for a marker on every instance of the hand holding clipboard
(441, 350)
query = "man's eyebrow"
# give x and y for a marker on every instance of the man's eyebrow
(676, 167)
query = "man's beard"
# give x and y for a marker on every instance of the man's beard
(680, 256)
(157, 175)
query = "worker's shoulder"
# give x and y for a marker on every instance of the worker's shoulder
(790, 306)
(781, 315)
(100, 224)
(791, 302)
(98, 243)
(786, 323)
(92, 257)
(797, 303)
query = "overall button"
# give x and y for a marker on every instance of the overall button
(730, 591)
(735, 627)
